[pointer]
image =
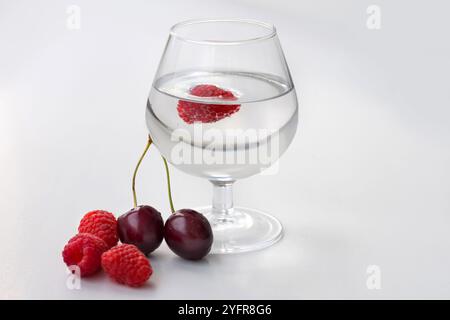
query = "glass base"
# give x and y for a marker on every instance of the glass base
(242, 230)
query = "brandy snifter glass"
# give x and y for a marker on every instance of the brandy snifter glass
(223, 107)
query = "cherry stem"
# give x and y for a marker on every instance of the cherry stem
(168, 185)
(133, 184)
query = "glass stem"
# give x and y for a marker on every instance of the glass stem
(222, 207)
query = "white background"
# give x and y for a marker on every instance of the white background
(365, 182)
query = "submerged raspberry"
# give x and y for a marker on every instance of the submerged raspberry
(192, 112)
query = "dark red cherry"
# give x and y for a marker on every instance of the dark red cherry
(142, 226)
(188, 234)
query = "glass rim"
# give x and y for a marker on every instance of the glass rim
(272, 32)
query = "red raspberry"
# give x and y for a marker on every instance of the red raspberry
(127, 265)
(85, 251)
(102, 224)
(192, 112)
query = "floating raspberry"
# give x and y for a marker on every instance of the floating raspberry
(102, 224)
(127, 265)
(85, 251)
(192, 112)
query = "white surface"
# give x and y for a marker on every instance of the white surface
(365, 182)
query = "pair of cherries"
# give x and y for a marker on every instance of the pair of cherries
(187, 232)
